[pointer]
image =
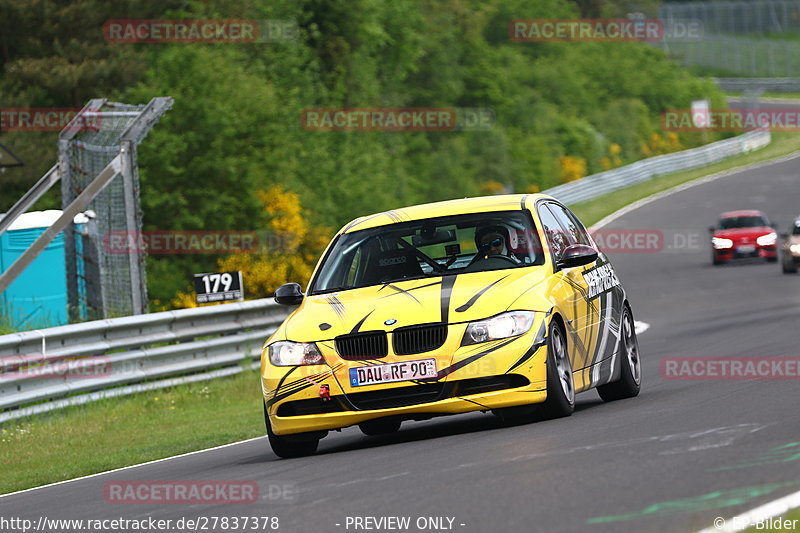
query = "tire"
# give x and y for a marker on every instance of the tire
(560, 386)
(789, 268)
(630, 380)
(714, 260)
(380, 426)
(772, 259)
(296, 445)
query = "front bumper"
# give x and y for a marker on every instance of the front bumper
(533, 393)
(474, 378)
(734, 253)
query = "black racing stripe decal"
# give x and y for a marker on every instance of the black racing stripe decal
(337, 305)
(474, 299)
(301, 384)
(360, 322)
(447, 291)
(280, 383)
(399, 291)
(464, 362)
(539, 341)
(394, 216)
(361, 220)
(284, 395)
(423, 286)
(302, 381)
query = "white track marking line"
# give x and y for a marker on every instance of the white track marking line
(187, 454)
(747, 520)
(688, 185)
(640, 326)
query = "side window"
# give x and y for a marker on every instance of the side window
(568, 219)
(557, 236)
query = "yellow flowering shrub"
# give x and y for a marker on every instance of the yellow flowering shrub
(287, 254)
(572, 168)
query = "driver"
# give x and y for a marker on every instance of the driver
(491, 240)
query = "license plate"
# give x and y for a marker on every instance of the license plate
(391, 372)
(746, 249)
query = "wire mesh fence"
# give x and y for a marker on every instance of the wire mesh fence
(738, 17)
(102, 284)
(737, 55)
(746, 38)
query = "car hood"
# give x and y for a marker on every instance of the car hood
(451, 299)
(743, 233)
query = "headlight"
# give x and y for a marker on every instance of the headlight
(501, 326)
(795, 249)
(720, 244)
(287, 353)
(767, 240)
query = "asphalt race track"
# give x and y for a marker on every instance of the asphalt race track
(673, 459)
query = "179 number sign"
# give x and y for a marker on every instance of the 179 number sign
(218, 287)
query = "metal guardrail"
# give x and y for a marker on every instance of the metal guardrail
(52, 368)
(755, 85)
(50, 364)
(605, 182)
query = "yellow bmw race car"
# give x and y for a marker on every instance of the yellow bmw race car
(499, 304)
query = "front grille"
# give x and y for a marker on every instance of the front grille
(419, 339)
(399, 397)
(360, 346)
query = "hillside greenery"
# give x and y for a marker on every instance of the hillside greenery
(232, 154)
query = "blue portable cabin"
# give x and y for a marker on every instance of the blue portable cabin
(38, 297)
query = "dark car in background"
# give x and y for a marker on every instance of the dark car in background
(743, 234)
(790, 248)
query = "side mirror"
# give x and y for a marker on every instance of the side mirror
(289, 294)
(576, 255)
(712, 229)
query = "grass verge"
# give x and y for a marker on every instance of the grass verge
(110, 434)
(780, 521)
(118, 432)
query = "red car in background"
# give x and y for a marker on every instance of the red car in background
(743, 234)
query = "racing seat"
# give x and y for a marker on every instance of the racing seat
(392, 265)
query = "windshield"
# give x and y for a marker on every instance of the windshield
(430, 247)
(796, 229)
(742, 222)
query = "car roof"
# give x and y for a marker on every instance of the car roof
(500, 202)
(742, 213)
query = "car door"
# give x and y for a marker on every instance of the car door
(589, 328)
(572, 288)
